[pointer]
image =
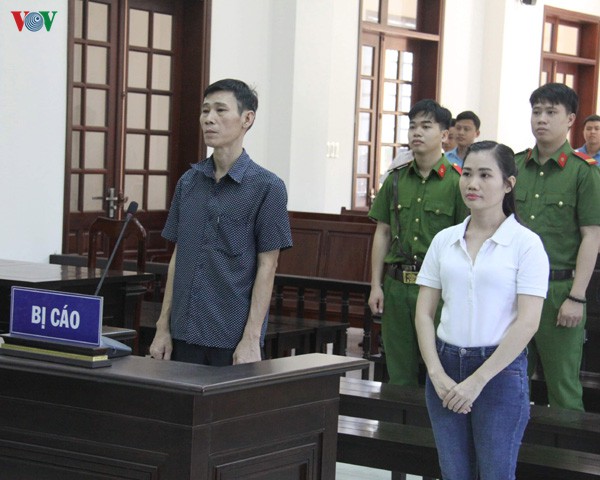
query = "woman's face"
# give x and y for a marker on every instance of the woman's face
(481, 183)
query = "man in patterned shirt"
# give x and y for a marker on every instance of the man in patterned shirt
(228, 220)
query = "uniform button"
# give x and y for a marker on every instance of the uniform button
(416, 220)
(541, 174)
(532, 217)
(419, 200)
(560, 204)
(399, 206)
(415, 238)
(463, 351)
(437, 211)
(422, 181)
(537, 195)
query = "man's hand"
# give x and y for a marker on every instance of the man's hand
(162, 345)
(247, 351)
(570, 314)
(376, 300)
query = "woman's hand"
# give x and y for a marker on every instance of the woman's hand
(442, 383)
(461, 397)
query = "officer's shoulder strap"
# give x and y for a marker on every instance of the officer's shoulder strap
(585, 157)
(457, 167)
(402, 165)
(525, 152)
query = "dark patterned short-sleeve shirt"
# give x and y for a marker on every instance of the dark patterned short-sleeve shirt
(220, 228)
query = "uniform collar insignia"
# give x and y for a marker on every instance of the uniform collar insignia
(441, 171)
(562, 159)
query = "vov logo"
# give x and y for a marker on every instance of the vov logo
(34, 21)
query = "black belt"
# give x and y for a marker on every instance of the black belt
(562, 274)
(402, 273)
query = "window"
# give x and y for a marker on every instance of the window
(398, 65)
(570, 55)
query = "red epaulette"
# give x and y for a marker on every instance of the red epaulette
(585, 157)
(457, 167)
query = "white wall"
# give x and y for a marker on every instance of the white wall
(325, 62)
(301, 57)
(32, 137)
(461, 56)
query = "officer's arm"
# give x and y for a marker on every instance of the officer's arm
(586, 259)
(571, 313)
(381, 246)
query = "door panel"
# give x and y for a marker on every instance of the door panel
(124, 140)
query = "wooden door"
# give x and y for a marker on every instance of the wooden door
(125, 111)
(386, 95)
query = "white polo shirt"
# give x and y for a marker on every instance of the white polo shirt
(480, 298)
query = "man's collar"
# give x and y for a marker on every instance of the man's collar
(440, 168)
(559, 157)
(236, 172)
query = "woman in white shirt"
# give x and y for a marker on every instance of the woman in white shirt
(492, 274)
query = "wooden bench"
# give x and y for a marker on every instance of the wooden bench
(329, 246)
(406, 405)
(374, 416)
(411, 449)
(590, 381)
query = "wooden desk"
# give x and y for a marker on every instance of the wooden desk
(121, 290)
(149, 419)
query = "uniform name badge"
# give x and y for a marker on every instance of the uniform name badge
(409, 277)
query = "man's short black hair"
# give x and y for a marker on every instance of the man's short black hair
(246, 97)
(430, 107)
(452, 122)
(556, 94)
(591, 118)
(469, 115)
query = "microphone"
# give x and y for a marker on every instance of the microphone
(131, 209)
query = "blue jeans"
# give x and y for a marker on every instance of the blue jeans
(484, 444)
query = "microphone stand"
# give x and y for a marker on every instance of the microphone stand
(114, 347)
(132, 206)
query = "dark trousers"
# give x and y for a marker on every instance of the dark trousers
(190, 353)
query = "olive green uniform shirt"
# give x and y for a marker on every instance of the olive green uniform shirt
(556, 199)
(426, 206)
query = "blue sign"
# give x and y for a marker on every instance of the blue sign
(51, 315)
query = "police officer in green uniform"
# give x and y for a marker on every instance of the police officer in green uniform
(416, 201)
(557, 193)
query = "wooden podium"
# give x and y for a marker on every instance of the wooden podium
(149, 419)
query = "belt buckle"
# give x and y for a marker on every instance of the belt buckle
(409, 277)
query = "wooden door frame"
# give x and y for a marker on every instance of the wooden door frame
(190, 83)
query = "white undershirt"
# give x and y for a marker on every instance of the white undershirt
(480, 297)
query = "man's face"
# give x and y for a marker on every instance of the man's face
(591, 133)
(425, 135)
(450, 142)
(550, 123)
(466, 133)
(221, 122)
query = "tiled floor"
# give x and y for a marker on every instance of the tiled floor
(353, 472)
(345, 471)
